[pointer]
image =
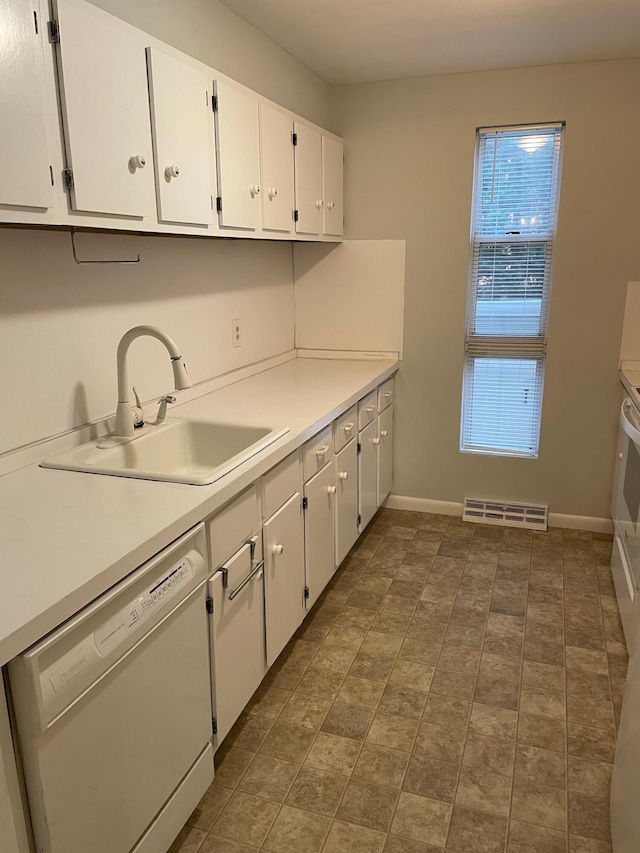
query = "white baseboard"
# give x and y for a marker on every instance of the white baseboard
(556, 519)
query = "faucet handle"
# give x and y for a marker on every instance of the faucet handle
(138, 413)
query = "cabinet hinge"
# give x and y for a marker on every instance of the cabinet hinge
(209, 604)
(68, 179)
(219, 204)
(359, 520)
(214, 725)
(359, 448)
(35, 20)
(305, 503)
(296, 216)
(306, 593)
(294, 138)
(54, 32)
(214, 103)
(51, 174)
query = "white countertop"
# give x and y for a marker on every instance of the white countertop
(66, 537)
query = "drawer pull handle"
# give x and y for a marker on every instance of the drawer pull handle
(277, 550)
(348, 427)
(376, 440)
(257, 568)
(384, 433)
(321, 451)
(331, 490)
(344, 475)
(370, 409)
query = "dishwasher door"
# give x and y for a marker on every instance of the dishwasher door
(113, 712)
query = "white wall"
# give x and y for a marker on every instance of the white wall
(409, 150)
(60, 323)
(208, 31)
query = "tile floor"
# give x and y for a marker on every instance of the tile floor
(456, 688)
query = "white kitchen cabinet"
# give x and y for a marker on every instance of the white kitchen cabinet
(368, 473)
(283, 536)
(13, 822)
(308, 179)
(319, 526)
(180, 111)
(346, 500)
(276, 169)
(332, 186)
(25, 177)
(238, 157)
(105, 110)
(385, 453)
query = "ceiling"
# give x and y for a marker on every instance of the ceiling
(356, 41)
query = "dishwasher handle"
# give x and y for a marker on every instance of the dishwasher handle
(625, 422)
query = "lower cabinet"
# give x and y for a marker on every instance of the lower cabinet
(319, 520)
(368, 473)
(385, 453)
(346, 500)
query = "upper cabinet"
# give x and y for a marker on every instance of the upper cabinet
(332, 190)
(25, 177)
(180, 114)
(308, 147)
(105, 110)
(276, 169)
(237, 157)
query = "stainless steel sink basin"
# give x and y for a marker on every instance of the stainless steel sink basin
(177, 451)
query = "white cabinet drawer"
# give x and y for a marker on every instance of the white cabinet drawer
(385, 395)
(367, 410)
(280, 483)
(237, 523)
(317, 452)
(345, 428)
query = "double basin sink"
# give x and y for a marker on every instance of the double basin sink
(177, 451)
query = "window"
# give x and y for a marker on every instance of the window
(512, 231)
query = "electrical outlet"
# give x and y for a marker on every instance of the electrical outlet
(236, 333)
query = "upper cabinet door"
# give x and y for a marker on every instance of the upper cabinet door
(308, 175)
(332, 189)
(276, 160)
(105, 108)
(180, 116)
(25, 179)
(238, 158)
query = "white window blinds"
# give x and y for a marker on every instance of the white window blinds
(513, 225)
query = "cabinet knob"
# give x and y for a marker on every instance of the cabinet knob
(259, 576)
(137, 161)
(384, 433)
(370, 409)
(171, 172)
(330, 205)
(276, 550)
(388, 394)
(344, 475)
(322, 451)
(272, 192)
(254, 189)
(331, 489)
(348, 427)
(376, 440)
(319, 203)
(621, 456)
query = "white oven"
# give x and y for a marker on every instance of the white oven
(625, 510)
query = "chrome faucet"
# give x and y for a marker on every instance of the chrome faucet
(126, 416)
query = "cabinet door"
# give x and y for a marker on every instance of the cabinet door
(105, 108)
(368, 473)
(346, 500)
(238, 158)
(308, 179)
(276, 161)
(180, 112)
(236, 637)
(284, 575)
(25, 180)
(332, 186)
(385, 453)
(319, 531)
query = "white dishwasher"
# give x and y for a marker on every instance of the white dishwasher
(113, 712)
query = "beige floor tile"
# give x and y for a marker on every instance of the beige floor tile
(483, 791)
(446, 711)
(589, 817)
(421, 651)
(347, 721)
(588, 742)
(368, 805)
(297, 831)
(431, 778)
(320, 682)
(474, 832)
(395, 844)
(543, 675)
(230, 765)
(542, 702)
(216, 844)
(588, 684)
(494, 722)
(346, 637)
(489, 753)
(307, 711)
(354, 617)
(450, 683)
(249, 732)
(189, 840)
(287, 742)
(362, 692)
(317, 791)
(334, 658)
(268, 701)
(459, 659)
(493, 690)
(586, 660)
(392, 731)
(285, 674)
(589, 777)
(541, 766)
(527, 838)
(402, 701)
(406, 673)
(543, 732)
(381, 766)
(590, 711)
(206, 812)
(246, 819)
(587, 845)
(440, 743)
(333, 753)
(540, 805)
(421, 819)
(348, 838)
(268, 777)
